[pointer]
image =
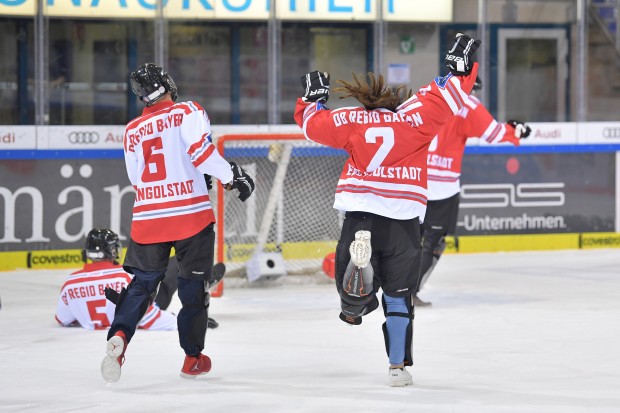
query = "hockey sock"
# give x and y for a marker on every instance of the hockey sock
(396, 328)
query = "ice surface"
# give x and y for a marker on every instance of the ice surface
(507, 332)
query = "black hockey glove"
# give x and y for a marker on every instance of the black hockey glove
(208, 181)
(522, 131)
(241, 182)
(111, 294)
(460, 57)
(316, 86)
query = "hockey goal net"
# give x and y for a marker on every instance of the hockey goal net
(290, 214)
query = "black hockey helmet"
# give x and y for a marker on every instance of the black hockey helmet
(150, 83)
(477, 83)
(102, 244)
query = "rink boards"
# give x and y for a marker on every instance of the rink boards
(558, 190)
(57, 259)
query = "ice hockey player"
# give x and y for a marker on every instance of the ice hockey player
(445, 156)
(382, 187)
(82, 301)
(168, 150)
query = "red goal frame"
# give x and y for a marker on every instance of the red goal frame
(219, 290)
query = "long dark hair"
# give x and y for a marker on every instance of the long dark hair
(373, 92)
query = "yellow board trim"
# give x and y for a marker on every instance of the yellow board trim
(600, 240)
(56, 259)
(534, 242)
(13, 260)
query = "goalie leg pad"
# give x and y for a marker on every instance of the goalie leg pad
(133, 302)
(193, 318)
(398, 329)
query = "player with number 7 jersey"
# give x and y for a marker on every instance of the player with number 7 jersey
(382, 188)
(386, 171)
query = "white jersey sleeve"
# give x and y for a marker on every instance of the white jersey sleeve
(131, 162)
(196, 132)
(64, 316)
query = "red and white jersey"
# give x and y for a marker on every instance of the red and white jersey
(167, 152)
(82, 299)
(386, 171)
(445, 154)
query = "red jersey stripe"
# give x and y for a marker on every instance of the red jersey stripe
(171, 204)
(171, 228)
(204, 156)
(150, 323)
(198, 144)
(91, 278)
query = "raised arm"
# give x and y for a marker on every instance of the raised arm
(312, 115)
(433, 105)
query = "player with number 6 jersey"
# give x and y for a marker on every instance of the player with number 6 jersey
(168, 152)
(382, 187)
(172, 200)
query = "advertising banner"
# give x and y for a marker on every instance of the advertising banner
(537, 193)
(302, 10)
(407, 10)
(52, 204)
(81, 137)
(186, 9)
(335, 10)
(18, 137)
(599, 132)
(551, 133)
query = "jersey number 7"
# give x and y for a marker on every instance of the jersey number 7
(371, 136)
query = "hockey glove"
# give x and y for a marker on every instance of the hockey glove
(208, 181)
(241, 182)
(522, 131)
(316, 86)
(111, 294)
(460, 57)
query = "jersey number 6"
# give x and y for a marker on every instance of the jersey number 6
(154, 163)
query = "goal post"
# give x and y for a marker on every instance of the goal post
(289, 221)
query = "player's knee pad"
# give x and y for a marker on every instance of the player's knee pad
(353, 308)
(409, 315)
(194, 293)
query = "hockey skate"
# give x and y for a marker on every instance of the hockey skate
(360, 249)
(358, 277)
(418, 302)
(217, 274)
(399, 377)
(194, 366)
(115, 357)
(211, 323)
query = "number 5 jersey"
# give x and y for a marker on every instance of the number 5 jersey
(82, 299)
